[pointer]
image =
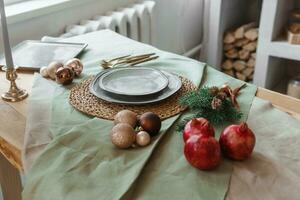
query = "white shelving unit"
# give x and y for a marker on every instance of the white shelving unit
(223, 15)
(274, 53)
(272, 47)
(283, 49)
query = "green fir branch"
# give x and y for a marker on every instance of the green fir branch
(199, 103)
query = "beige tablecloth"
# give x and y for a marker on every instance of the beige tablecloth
(273, 172)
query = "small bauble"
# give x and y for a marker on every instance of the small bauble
(76, 65)
(150, 122)
(52, 68)
(123, 136)
(143, 138)
(64, 75)
(237, 141)
(126, 116)
(44, 72)
(203, 152)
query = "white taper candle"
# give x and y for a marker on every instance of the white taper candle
(5, 38)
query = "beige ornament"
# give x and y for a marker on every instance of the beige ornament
(64, 75)
(76, 65)
(123, 136)
(143, 138)
(52, 68)
(44, 72)
(126, 116)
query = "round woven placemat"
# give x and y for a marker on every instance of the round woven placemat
(83, 100)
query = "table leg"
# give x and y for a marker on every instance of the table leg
(10, 180)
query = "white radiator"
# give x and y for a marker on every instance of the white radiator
(135, 22)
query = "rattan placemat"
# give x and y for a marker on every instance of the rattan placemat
(83, 100)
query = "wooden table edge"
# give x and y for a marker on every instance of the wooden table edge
(283, 102)
(12, 154)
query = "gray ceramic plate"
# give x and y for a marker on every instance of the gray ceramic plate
(133, 81)
(173, 86)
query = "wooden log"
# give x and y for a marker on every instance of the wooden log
(244, 54)
(293, 33)
(250, 46)
(251, 77)
(251, 34)
(239, 65)
(227, 64)
(229, 38)
(233, 53)
(229, 72)
(251, 63)
(240, 76)
(248, 72)
(227, 47)
(241, 42)
(253, 55)
(239, 32)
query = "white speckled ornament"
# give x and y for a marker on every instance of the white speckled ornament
(52, 68)
(126, 116)
(143, 138)
(76, 65)
(44, 72)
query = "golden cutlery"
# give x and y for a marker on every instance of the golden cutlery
(143, 60)
(127, 60)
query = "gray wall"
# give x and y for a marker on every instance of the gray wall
(179, 22)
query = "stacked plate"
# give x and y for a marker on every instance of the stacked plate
(134, 85)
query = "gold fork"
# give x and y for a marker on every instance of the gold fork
(129, 60)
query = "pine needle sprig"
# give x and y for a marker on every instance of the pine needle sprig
(200, 104)
(197, 99)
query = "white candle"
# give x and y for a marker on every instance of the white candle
(5, 38)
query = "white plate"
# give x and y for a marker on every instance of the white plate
(134, 81)
(173, 86)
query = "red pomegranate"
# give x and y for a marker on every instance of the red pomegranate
(203, 152)
(198, 126)
(237, 141)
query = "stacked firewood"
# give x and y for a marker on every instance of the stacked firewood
(240, 52)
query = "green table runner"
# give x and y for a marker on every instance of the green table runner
(81, 162)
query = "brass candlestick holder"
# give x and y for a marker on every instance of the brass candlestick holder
(14, 94)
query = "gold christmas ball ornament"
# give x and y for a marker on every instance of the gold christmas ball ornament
(143, 138)
(52, 68)
(150, 122)
(64, 75)
(123, 136)
(76, 65)
(44, 72)
(126, 116)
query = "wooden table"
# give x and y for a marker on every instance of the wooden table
(12, 129)
(13, 120)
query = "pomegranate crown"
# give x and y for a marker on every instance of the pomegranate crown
(243, 127)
